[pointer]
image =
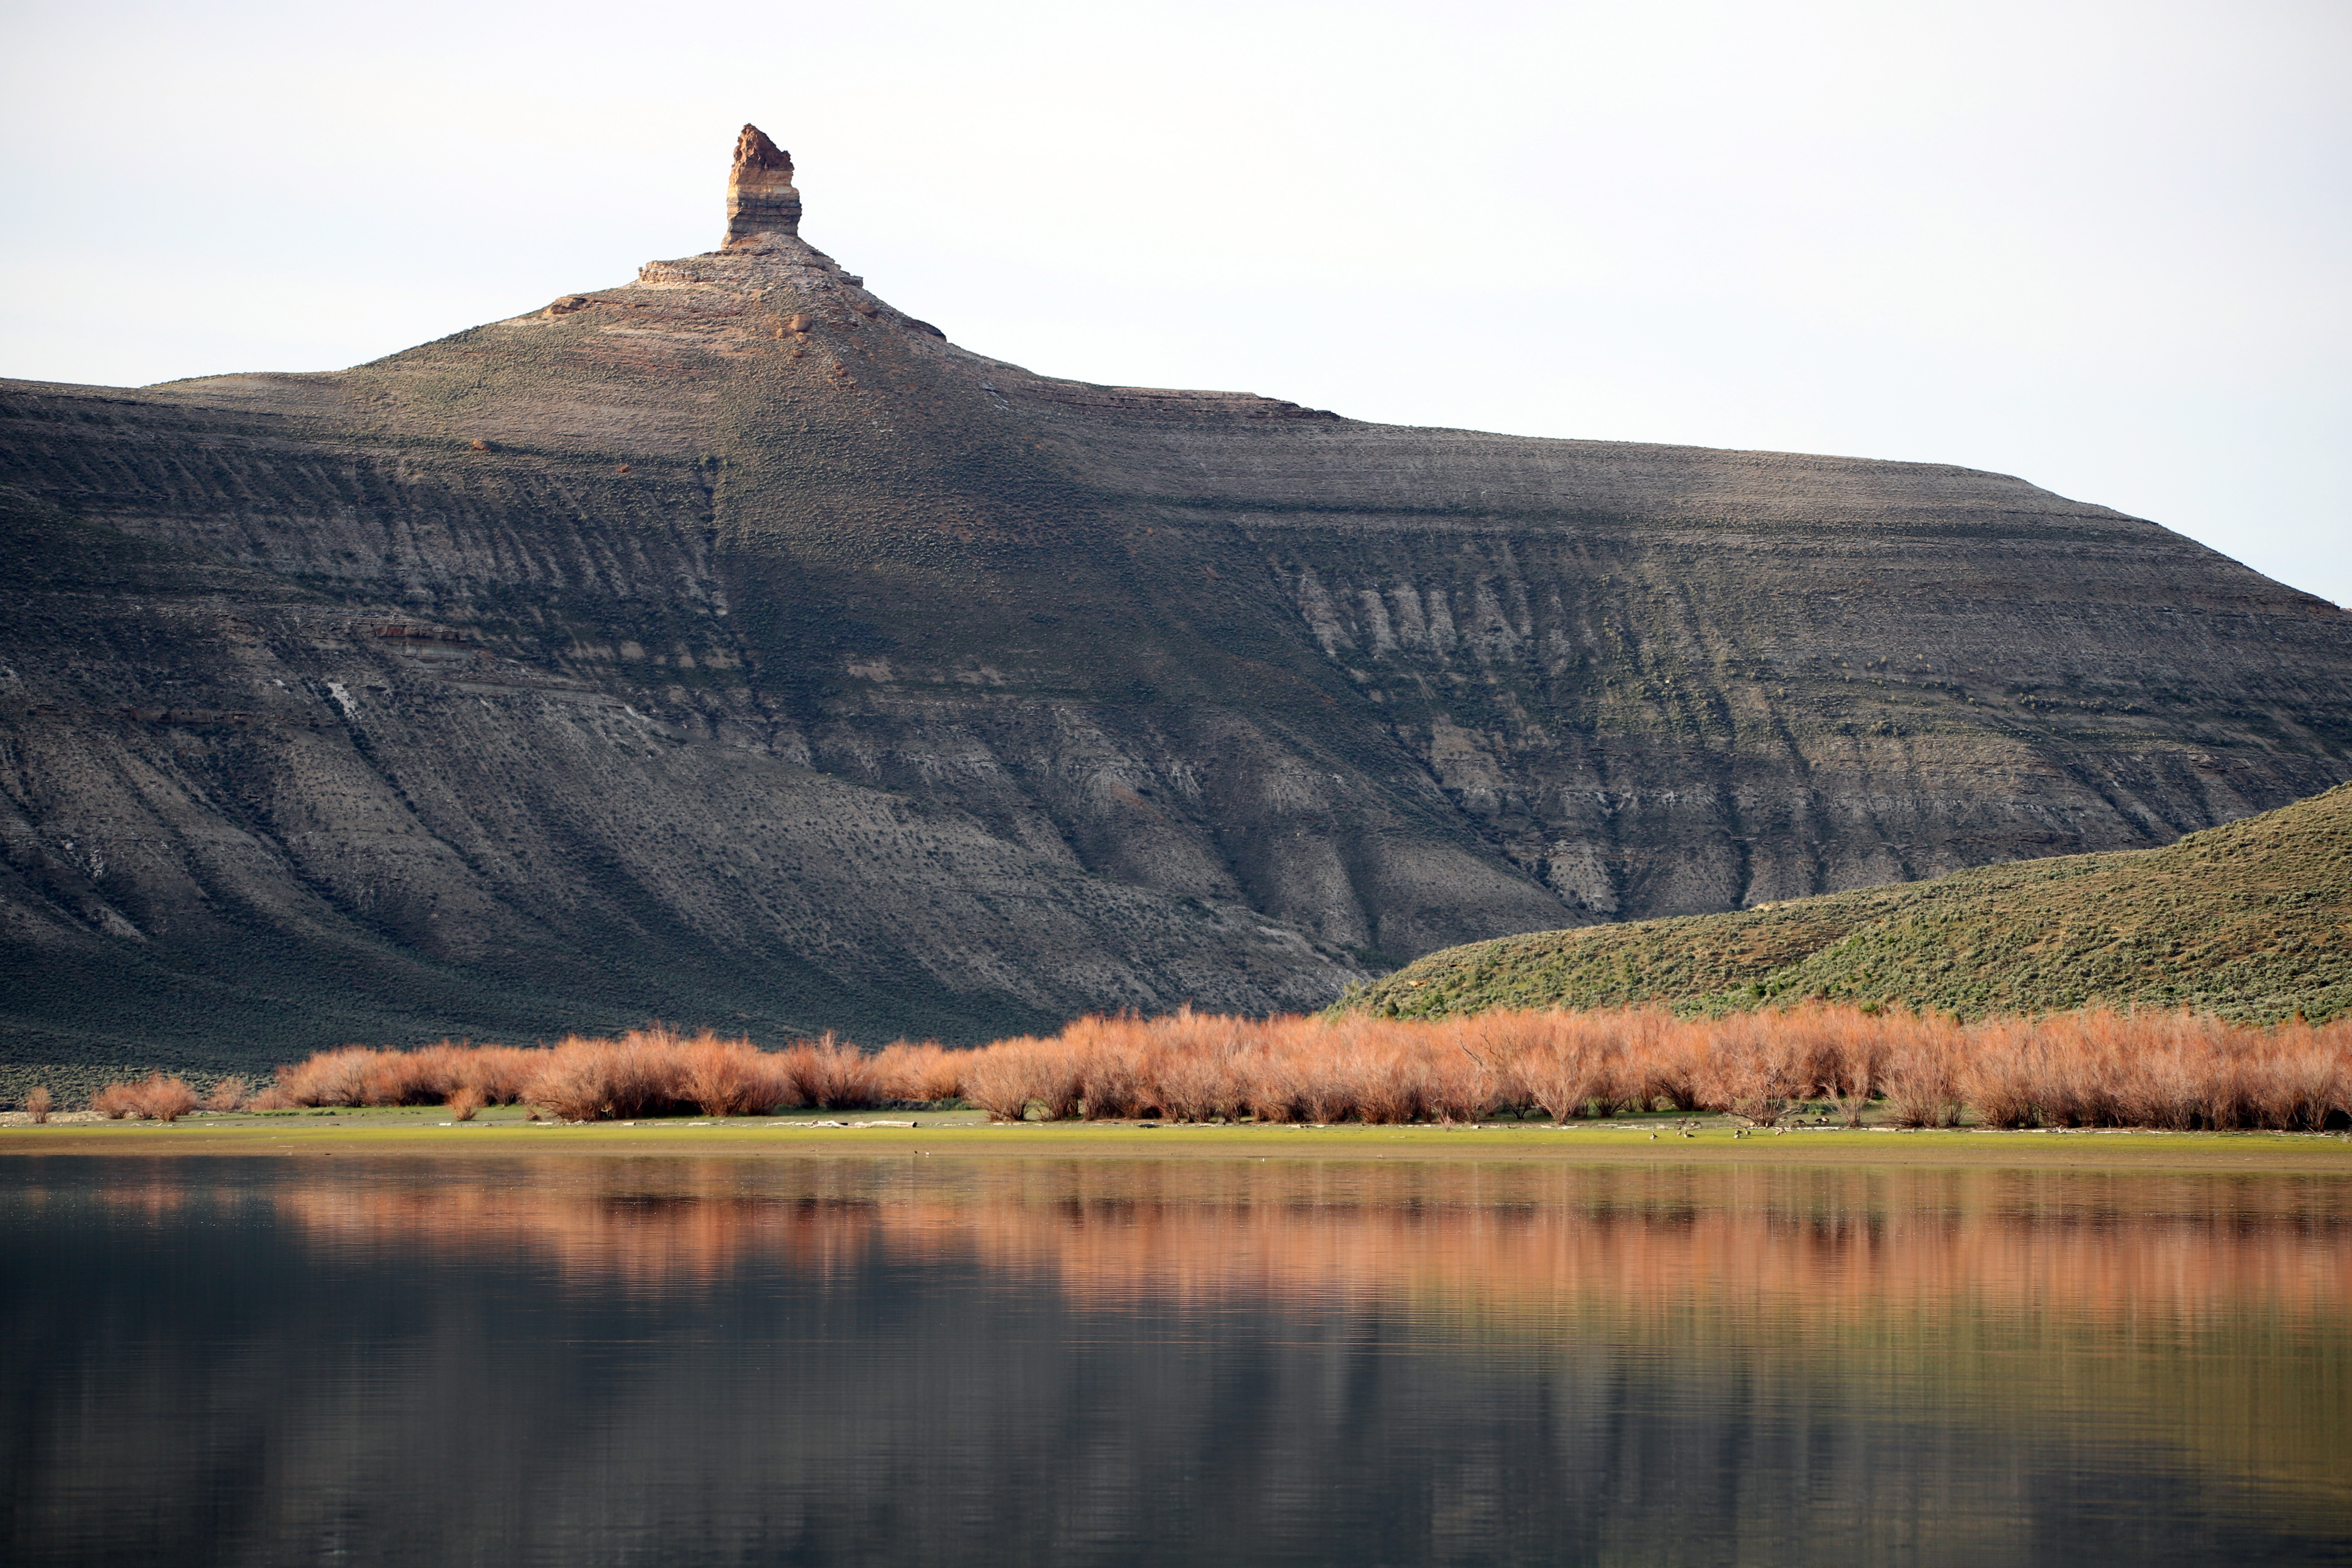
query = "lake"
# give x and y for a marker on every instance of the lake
(912, 1360)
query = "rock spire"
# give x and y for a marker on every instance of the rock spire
(759, 195)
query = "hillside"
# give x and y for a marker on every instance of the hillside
(2252, 922)
(732, 646)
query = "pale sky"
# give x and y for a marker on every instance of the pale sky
(2100, 246)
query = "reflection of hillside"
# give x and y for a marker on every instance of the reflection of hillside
(2155, 1302)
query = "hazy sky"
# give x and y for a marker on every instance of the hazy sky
(2100, 246)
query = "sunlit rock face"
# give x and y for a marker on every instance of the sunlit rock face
(732, 646)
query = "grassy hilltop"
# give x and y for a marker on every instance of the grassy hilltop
(2251, 921)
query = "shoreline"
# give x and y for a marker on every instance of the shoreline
(960, 1135)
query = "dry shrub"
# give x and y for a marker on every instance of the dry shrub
(1289, 1072)
(422, 1077)
(158, 1097)
(2184, 1077)
(600, 1080)
(2304, 1077)
(1853, 1055)
(909, 1074)
(1752, 1067)
(1921, 1076)
(1570, 1064)
(1330, 1085)
(728, 1078)
(1005, 1079)
(1459, 1082)
(2090, 1069)
(463, 1101)
(39, 1105)
(337, 1077)
(1113, 1070)
(431, 1075)
(1390, 1084)
(2005, 1075)
(504, 1072)
(163, 1098)
(359, 1075)
(1191, 1070)
(116, 1100)
(830, 1074)
(228, 1094)
(1662, 1054)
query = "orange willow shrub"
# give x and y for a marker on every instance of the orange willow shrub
(905, 1073)
(1005, 1079)
(725, 1078)
(640, 1074)
(831, 1075)
(158, 1098)
(2149, 1069)
(430, 1075)
(2179, 1070)
(2087, 1070)
(1570, 1064)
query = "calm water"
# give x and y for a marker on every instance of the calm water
(903, 1360)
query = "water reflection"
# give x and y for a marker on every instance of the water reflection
(916, 1360)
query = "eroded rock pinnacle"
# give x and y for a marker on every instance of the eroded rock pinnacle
(759, 195)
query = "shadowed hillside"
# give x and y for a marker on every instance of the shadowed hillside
(2252, 922)
(732, 647)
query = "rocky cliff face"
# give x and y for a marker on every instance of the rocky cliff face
(729, 645)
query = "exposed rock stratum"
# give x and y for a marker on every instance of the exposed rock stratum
(732, 646)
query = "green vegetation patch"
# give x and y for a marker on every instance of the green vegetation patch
(2252, 922)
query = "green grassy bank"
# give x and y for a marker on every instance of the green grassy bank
(1633, 1139)
(2252, 922)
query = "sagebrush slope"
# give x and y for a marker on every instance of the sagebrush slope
(2251, 921)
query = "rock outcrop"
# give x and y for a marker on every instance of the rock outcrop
(761, 199)
(733, 646)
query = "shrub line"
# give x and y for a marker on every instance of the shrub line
(2174, 1070)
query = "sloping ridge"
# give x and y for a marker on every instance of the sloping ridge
(2252, 920)
(731, 646)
